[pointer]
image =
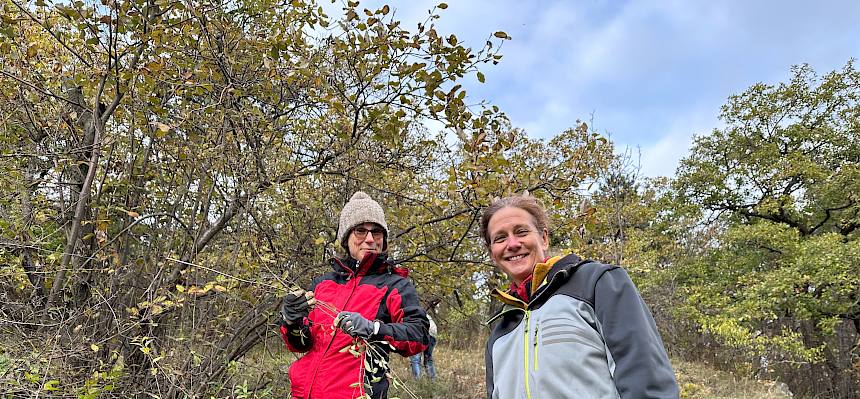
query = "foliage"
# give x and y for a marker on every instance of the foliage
(169, 169)
(789, 155)
(748, 256)
(781, 183)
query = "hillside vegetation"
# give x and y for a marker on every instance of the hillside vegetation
(170, 170)
(263, 374)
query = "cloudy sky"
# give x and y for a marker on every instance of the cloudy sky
(649, 74)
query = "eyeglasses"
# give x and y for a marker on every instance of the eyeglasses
(361, 232)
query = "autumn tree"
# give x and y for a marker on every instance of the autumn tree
(149, 141)
(781, 181)
(169, 169)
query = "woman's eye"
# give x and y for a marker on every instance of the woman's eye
(499, 239)
(522, 232)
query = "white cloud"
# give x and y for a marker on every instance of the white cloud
(662, 157)
(651, 73)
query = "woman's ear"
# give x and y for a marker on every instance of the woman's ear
(545, 239)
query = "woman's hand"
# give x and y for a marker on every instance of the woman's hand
(355, 325)
(296, 306)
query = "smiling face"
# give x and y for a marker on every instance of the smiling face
(516, 243)
(365, 238)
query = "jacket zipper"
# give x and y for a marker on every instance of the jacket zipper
(537, 327)
(538, 294)
(526, 354)
(354, 277)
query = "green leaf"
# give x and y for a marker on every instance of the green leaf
(52, 385)
(481, 77)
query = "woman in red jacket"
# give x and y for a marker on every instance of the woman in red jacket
(350, 318)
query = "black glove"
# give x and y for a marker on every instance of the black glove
(354, 324)
(296, 306)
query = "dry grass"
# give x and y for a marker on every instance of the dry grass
(698, 380)
(460, 375)
(263, 374)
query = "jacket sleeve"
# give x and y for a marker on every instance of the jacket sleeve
(488, 366)
(642, 367)
(297, 338)
(407, 330)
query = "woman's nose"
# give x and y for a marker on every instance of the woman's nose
(513, 242)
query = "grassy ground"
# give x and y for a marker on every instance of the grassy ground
(263, 374)
(698, 380)
(461, 376)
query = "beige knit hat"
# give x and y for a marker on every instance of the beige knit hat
(358, 210)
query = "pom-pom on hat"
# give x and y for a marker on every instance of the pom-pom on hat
(358, 210)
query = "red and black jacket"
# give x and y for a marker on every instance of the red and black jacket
(333, 366)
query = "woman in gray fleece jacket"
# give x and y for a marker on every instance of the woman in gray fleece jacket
(570, 328)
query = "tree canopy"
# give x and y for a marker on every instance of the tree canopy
(170, 169)
(782, 180)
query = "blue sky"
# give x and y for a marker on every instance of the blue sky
(649, 74)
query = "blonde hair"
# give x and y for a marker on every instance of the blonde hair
(522, 201)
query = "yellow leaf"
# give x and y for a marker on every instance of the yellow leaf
(180, 288)
(443, 5)
(501, 35)
(161, 126)
(94, 347)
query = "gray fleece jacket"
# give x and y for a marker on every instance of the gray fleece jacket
(585, 333)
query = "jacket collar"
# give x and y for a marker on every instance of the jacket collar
(372, 263)
(543, 276)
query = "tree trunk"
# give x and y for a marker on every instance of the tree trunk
(92, 128)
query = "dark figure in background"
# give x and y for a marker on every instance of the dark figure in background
(427, 356)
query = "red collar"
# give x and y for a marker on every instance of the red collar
(522, 290)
